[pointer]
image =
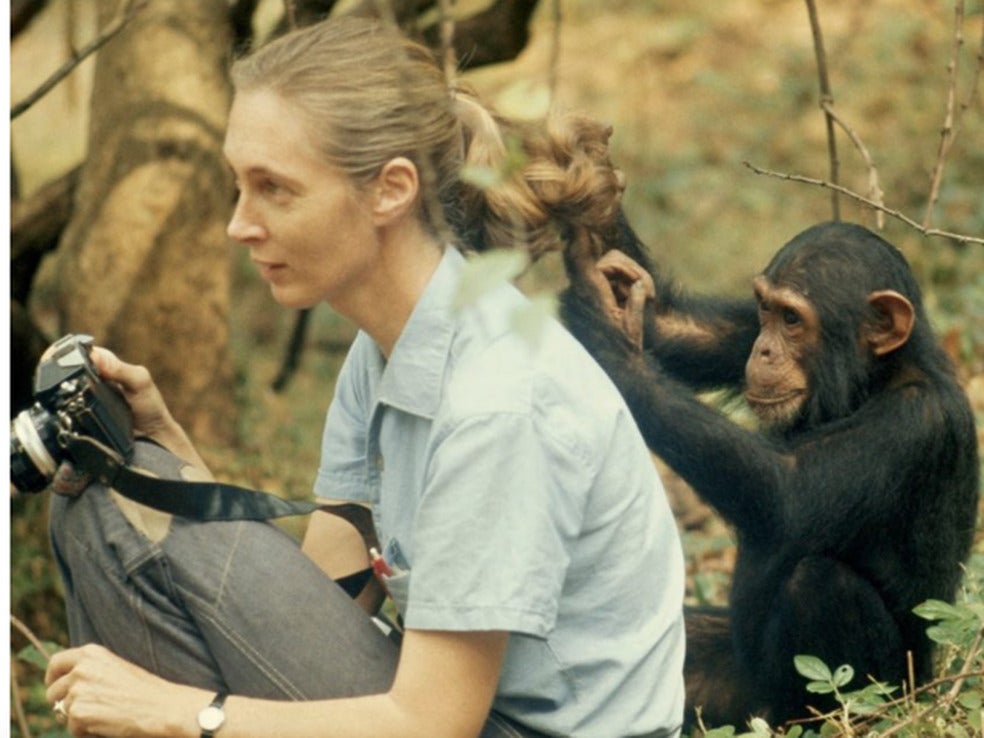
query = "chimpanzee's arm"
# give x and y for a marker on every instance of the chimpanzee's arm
(837, 481)
(700, 340)
(704, 341)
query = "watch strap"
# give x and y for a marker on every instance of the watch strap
(215, 704)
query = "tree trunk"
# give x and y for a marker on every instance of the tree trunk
(144, 264)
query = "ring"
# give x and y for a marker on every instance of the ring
(59, 709)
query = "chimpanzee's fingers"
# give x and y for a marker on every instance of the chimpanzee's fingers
(633, 316)
(619, 267)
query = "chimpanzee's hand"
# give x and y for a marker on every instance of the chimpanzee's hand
(629, 286)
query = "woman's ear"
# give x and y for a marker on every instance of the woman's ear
(395, 190)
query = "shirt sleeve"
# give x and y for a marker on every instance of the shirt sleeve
(342, 471)
(501, 505)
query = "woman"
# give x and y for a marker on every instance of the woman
(508, 483)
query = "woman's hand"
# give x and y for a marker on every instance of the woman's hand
(103, 695)
(151, 417)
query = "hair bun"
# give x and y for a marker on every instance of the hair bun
(561, 181)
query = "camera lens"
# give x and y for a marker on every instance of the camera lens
(33, 449)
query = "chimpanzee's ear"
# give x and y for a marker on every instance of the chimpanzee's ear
(894, 323)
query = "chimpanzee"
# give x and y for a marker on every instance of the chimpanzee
(857, 499)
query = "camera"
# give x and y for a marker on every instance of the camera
(70, 399)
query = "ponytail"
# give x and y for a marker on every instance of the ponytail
(548, 179)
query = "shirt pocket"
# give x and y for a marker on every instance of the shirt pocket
(396, 575)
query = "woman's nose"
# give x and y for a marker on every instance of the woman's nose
(243, 227)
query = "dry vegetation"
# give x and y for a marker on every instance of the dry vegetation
(692, 89)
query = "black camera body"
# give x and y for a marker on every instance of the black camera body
(71, 399)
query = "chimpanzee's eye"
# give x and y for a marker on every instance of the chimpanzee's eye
(790, 317)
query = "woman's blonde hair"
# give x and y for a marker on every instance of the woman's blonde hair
(370, 94)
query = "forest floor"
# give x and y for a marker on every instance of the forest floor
(693, 90)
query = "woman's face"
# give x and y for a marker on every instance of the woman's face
(308, 228)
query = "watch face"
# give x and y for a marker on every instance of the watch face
(210, 718)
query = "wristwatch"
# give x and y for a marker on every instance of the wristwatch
(210, 719)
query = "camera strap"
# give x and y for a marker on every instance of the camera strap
(210, 501)
(204, 501)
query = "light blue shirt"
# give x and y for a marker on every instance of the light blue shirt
(510, 484)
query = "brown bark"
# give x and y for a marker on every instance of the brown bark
(494, 35)
(143, 263)
(36, 225)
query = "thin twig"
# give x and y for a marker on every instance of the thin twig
(874, 188)
(975, 85)
(960, 238)
(25, 731)
(826, 103)
(945, 701)
(949, 132)
(553, 78)
(114, 27)
(26, 632)
(962, 677)
(448, 57)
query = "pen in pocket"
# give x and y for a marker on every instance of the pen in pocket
(379, 564)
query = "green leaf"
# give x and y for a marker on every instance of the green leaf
(485, 272)
(955, 730)
(760, 727)
(484, 177)
(954, 632)
(843, 675)
(970, 700)
(480, 177)
(936, 610)
(725, 731)
(32, 655)
(812, 668)
(524, 99)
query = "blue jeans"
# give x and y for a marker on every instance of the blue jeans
(233, 606)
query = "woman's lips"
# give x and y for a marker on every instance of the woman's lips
(269, 270)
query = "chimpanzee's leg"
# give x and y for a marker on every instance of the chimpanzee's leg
(714, 686)
(828, 610)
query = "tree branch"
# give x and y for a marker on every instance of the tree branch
(29, 635)
(554, 74)
(241, 15)
(826, 102)
(447, 28)
(113, 28)
(22, 12)
(949, 131)
(15, 697)
(36, 224)
(960, 238)
(498, 33)
(874, 188)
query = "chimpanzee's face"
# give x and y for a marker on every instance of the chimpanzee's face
(777, 383)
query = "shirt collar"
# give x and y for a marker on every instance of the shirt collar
(413, 378)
